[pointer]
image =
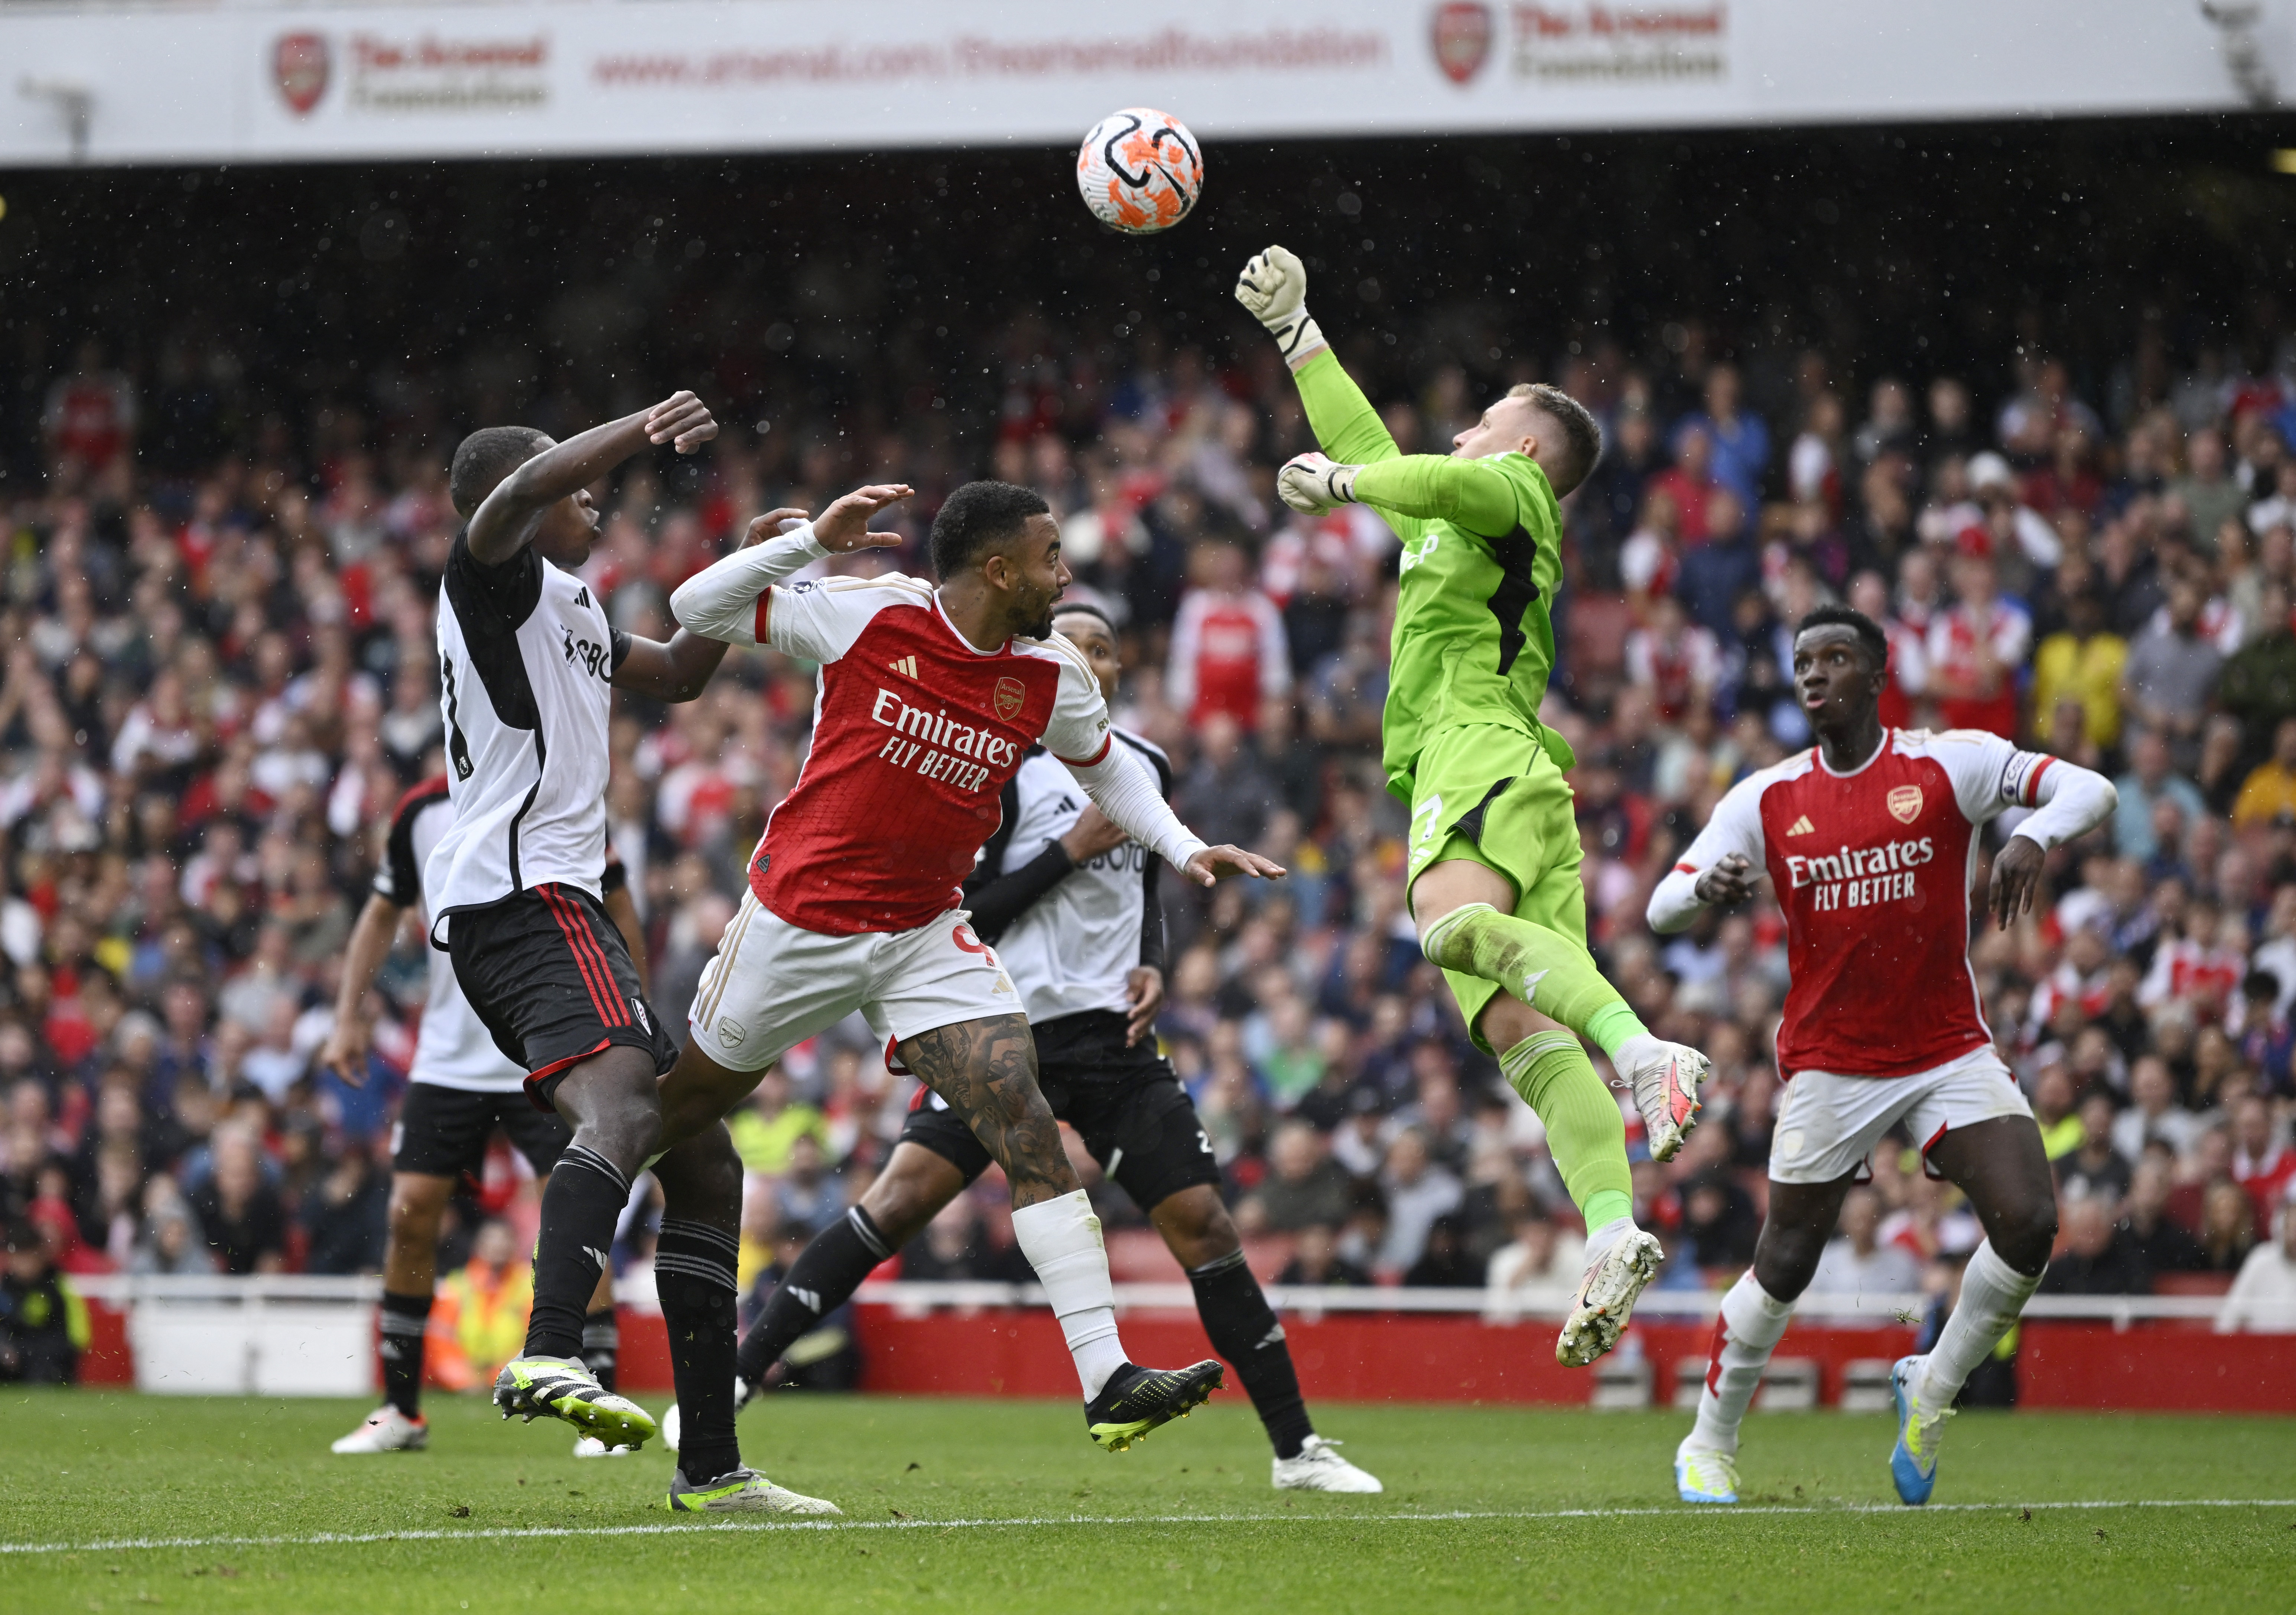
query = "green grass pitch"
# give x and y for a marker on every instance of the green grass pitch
(216, 1504)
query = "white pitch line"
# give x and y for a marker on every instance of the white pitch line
(522, 1533)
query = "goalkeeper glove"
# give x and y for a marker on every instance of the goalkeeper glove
(1273, 290)
(1312, 484)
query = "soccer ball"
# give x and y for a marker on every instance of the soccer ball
(1139, 170)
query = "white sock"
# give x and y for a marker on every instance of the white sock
(1992, 1294)
(1061, 1240)
(1747, 1330)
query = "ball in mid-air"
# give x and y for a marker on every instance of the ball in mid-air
(1139, 170)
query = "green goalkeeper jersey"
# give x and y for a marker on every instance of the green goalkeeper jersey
(1483, 555)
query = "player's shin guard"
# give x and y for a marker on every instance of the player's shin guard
(1243, 1329)
(1751, 1323)
(1992, 1295)
(1583, 1129)
(579, 1210)
(601, 1346)
(404, 1318)
(824, 1278)
(1547, 969)
(1061, 1240)
(694, 1274)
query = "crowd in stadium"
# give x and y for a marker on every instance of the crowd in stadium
(218, 682)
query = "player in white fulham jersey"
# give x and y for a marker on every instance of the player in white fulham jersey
(1069, 901)
(1870, 844)
(460, 1089)
(930, 700)
(527, 664)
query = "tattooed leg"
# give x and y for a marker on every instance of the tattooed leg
(987, 1072)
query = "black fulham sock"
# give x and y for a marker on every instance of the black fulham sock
(579, 1210)
(405, 1318)
(824, 1278)
(694, 1274)
(1243, 1330)
(601, 1346)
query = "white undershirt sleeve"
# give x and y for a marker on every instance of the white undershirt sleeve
(1121, 786)
(1989, 776)
(721, 600)
(2070, 801)
(1736, 827)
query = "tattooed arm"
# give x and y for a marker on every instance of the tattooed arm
(987, 1072)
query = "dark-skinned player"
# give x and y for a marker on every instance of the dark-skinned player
(1870, 842)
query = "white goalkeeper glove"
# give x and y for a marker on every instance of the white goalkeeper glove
(1273, 290)
(1312, 484)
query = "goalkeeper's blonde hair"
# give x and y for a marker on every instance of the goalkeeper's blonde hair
(1582, 437)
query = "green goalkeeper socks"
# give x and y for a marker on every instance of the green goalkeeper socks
(1543, 968)
(1585, 1133)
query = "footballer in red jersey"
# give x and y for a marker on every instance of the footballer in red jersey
(1869, 840)
(930, 699)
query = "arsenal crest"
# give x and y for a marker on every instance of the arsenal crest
(1010, 695)
(299, 66)
(1905, 803)
(1463, 39)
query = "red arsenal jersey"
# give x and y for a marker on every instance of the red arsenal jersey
(914, 734)
(1871, 869)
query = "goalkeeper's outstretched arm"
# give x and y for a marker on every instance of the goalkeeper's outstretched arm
(1273, 289)
(1475, 495)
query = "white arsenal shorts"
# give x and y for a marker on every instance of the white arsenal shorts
(773, 985)
(1829, 1124)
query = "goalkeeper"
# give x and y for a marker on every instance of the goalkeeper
(1494, 854)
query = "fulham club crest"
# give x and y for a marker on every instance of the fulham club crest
(1010, 695)
(299, 66)
(1905, 803)
(1463, 39)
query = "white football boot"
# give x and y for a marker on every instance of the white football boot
(1703, 1475)
(742, 1491)
(386, 1430)
(1319, 1468)
(1665, 1078)
(1614, 1282)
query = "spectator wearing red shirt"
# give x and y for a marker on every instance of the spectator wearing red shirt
(1229, 648)
(2262, 1163)
(89, 422)
(1976, 648)
(1689, 482)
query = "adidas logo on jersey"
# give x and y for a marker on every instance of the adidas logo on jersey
(907, 664)
(1802, 826)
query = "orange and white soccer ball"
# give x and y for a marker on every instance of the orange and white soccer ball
(1139, 170)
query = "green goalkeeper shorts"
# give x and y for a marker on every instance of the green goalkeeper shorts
(1490, 793)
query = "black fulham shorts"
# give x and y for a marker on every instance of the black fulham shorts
(549, 977)
(442, 1131)
(1131, 1112)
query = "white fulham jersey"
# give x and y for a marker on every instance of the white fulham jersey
(453, 1049)
(526, 661)
(1072, 949)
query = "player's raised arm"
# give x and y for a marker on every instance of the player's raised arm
(1475, 494)
(730, 601)
(505, 523)
(1274, 291)
(680, 670)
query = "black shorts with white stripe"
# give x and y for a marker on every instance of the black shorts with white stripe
(550, 977)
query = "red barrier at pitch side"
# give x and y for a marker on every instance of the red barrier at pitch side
(2160, 1367)
(1459, 1358)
